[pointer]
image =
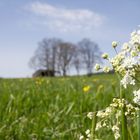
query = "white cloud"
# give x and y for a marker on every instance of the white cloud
(63, 19)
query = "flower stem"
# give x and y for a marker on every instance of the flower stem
(94, 121)
(123, 117)
(138, 124)
(130, 133)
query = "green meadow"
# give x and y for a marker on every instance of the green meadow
(53, 108)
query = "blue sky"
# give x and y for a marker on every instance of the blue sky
(23, 23)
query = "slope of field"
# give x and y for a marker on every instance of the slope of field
(52, 108)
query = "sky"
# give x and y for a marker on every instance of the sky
(24, 23)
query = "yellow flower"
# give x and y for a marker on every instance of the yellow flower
(86, 88)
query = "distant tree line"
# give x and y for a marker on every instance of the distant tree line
(57, 55)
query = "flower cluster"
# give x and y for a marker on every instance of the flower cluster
(126, 62)
(128, 58)
(114, 110)
(116, 130)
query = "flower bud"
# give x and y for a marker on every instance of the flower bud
(125, 46)
(133, 53)
(105, 56)
(97, 67)
(114, 44)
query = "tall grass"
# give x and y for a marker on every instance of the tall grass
(52, 108)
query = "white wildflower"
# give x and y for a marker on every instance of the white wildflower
(115, 128)
(104, 124)
(90, 115)
(117, 136)
(88, 135)
(81, 137)
(106, 69)
(98, 126)
(133, 33)
(87, 132)
(127, 79)
(137, 97)
(108, 110)
(125, 47)
(101, 114)
(129, 62)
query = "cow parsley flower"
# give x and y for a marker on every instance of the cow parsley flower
(129, 62)
(98, 126)
(117, 135)
(127, 79)
(81, 137)
(106, 69)
(90, 115)
(137, 97)
(87, 131)
(125, 47)
(133, 33)
(126, 64)
(115, 130)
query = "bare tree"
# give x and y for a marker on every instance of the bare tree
(46, 54)
(90, 53)
(77, 60)
(66, 53)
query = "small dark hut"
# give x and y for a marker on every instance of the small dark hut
(44, 73)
